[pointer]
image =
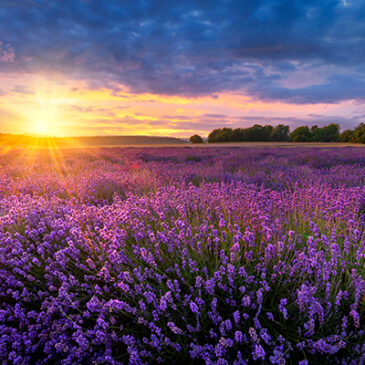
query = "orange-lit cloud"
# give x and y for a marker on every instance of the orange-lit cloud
(56, 105)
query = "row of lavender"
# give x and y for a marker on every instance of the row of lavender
(216, 256)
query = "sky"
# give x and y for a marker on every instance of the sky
(176, 68)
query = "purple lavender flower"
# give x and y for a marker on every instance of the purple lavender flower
(193, 307)
(238, 336)
(258, 352)
(282, 308)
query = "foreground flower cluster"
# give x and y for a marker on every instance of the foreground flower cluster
(212, 256)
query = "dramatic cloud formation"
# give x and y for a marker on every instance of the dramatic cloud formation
(277, 51)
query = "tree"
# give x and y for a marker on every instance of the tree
(239, 135)
(328, 133)
(280, 133)
(317, 133)
(347, 136)
(225, 135)
(220, 135)
(213, 136)
(359, 133)
(266, 133)
(301, 134)
(259, 133)
(331, 133)
(196, 139)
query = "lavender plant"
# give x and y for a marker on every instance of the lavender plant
(212, 256)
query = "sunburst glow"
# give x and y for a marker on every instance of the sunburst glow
(40, 127)
(44, 109)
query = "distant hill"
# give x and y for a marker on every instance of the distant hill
(94, 141)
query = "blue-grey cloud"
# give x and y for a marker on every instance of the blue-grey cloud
(194, 47)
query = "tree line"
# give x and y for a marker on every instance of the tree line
(281, 133)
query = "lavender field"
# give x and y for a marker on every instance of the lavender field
(183, 255)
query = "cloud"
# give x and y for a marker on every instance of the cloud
(21, 89)
(7, 54)
(215, 116)
(333, 89)
(193, 48)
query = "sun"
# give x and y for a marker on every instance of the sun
(42, 123)
(40, 127)
(44, 118)
(45, 108)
